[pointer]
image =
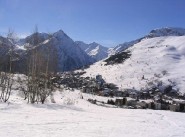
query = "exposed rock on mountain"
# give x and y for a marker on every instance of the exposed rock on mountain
(95, 50)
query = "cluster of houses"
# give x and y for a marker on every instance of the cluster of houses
(130, 98)
(153, 99)
(97, 85)
(175, 105)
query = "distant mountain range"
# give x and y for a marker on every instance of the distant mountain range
(70, 55)
(95, 50)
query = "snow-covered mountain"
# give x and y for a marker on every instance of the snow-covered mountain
(95, 50)
(153, 61)
(4, 48)
(18, 53)
(124, 46)
(167, 31)
(68, 54)
(30, 39)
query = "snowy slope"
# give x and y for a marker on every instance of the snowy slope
(124, 46)
(72, 116)
(95, 50)
(157, 59)
(167, 31)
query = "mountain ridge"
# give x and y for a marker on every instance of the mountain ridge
(95, 50)
(69, 55)
(159, 32)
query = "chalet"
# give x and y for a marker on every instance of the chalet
(118, 93)
(165, 106)
(121, 102)
(172, 93)
(157, 106)
(131, 103)
(174, 107)
(182, 107)
(133, 95)
(87, 90)
(178, 105)
(142, 104)
(144, 95)
(125, 93)
(106, 92)
(151, 105)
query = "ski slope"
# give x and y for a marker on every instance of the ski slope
(160, 59)
(72, 116)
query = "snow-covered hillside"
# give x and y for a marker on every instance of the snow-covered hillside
(72, 116)
(167, 31)
(95, 50)
(124, 46)
(152, 61)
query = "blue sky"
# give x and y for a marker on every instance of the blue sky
(108, 22)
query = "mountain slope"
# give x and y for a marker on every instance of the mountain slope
(152, 61)
(167, 31)
(68, 55)
(95, 50)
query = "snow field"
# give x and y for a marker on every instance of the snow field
(83, 119)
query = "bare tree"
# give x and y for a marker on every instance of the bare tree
(39, 85)
(6, 78)
(6, 86)
(11, 36)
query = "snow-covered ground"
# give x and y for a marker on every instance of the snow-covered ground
(72, 116)
(157, 59)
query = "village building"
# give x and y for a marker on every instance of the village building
(133, 95)
(174, 107)
(151, 105)
(131, 103)
(121, 101)
(144, 95)
(157, 106)
(142, 104)
(178, 105)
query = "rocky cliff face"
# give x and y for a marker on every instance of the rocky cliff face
(64, 51)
